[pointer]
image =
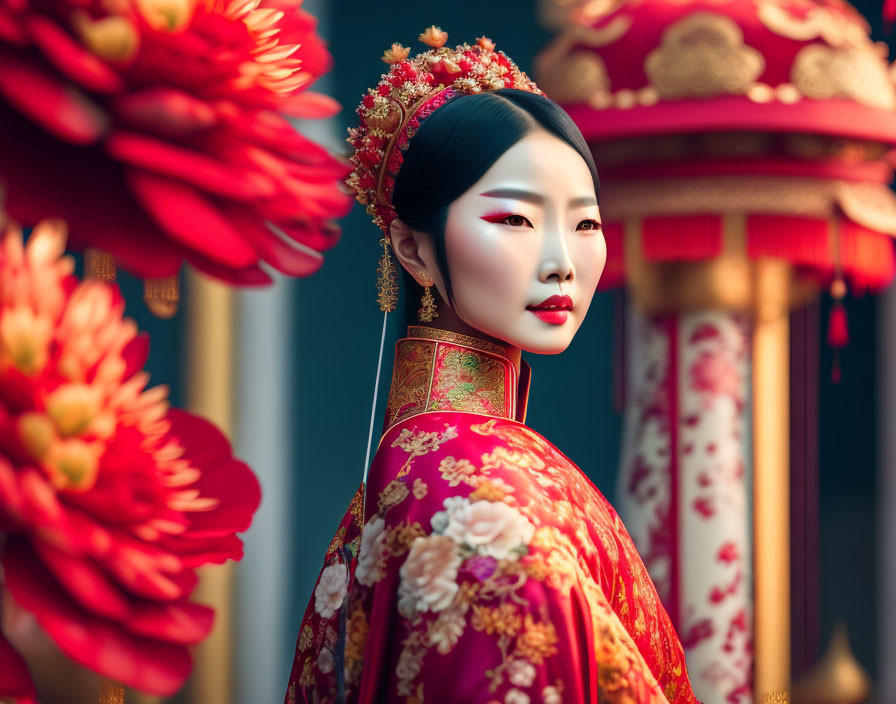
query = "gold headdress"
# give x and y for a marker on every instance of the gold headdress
(393, 110)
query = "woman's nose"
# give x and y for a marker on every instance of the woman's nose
(556, 264)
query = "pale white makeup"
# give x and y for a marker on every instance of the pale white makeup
(528, 230)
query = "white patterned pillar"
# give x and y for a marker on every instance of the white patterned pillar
(684, 486)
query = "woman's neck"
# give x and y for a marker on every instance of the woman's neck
(449, 320)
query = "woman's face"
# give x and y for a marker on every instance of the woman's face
(525, 248)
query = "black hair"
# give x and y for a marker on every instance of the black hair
(458, 143)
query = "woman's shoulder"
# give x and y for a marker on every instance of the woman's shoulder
(418, 441)
(427, 432)
(434, 456)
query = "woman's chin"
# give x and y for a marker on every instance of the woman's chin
(533, 335)
(546, 341)
(545, 349)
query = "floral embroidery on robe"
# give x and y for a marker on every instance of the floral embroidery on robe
(489, 570)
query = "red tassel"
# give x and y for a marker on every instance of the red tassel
(889, 13)
(838, 332)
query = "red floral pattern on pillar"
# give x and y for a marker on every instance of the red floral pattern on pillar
(684, 487)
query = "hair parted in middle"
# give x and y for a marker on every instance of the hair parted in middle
(458, 144)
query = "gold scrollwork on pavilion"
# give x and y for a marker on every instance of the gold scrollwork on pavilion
(853, 73)
(835, 28)
(703, 56)
(576, 78)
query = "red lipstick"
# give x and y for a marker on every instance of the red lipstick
(553, 310)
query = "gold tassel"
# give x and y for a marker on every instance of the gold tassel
(428, 309)
(99, 265)
(161, 295)
(387, 282)
(111, 692)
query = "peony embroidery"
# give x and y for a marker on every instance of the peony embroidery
(330, 591)
(371, 561)
(428, 576)
(551, 695)
(521, 673)
(325, 661)
(487, 527)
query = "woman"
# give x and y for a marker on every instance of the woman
(489, 568)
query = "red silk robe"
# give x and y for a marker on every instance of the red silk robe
(489, 569)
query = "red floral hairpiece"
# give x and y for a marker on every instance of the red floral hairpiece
(413, 89)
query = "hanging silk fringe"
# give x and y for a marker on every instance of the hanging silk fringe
(681, 238)
(162, 295)
(802, 241)
(864, 256)
(99, 265)
(111, 692)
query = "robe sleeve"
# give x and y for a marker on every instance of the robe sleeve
(634, 598)
(466, 585)
(470, 598)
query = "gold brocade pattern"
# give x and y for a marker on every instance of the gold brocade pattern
(455, 338)
(467, 380)
(437, 370)
(496, 604)
(485, 542)
(410, 380)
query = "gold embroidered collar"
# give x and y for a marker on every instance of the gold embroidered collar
(438, 370)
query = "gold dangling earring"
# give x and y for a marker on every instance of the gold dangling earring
(428, 309)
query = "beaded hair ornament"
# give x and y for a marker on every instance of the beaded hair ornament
(392, 111)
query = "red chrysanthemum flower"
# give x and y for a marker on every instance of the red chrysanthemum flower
(156, 130)
(109, 499)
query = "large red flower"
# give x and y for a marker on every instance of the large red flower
(156, 130)
(109, 499)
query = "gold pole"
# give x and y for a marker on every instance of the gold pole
(99, 264)
(210, 368)
(111, 692)
(771, 480)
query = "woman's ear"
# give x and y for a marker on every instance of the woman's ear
(412, 249)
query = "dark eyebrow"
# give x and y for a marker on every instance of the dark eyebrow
(529, 197)
(582, 202)
(515, 194)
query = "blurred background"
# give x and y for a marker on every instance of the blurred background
(305, 353)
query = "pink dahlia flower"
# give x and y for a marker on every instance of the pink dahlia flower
(109, 499)
(156, 130)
